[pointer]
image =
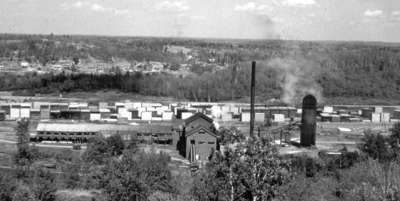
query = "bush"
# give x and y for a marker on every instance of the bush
(23, 193)
(372, 180)
(137, 176)
(7, 186)
(97, 151)
(115, 144)
(377, 146)
(43, 185)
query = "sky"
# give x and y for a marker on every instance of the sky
(339, 20)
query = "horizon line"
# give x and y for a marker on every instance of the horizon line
(203, 38)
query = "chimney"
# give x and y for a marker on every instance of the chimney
(308, 121)
(252, 97)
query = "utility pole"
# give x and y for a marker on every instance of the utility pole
(252, 97)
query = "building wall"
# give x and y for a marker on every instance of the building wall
(259, 117)
(245, 117)
(167, 115)
(95, 116)
(227, 116)
(204, 144)
(45, 113)
(15, 113)
(25, 112)
(146, 116)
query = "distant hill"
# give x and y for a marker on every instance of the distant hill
(286, 69)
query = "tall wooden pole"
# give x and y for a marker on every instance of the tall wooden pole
(252, 97)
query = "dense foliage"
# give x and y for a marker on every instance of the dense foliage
(336, 69)
(136, 176)
(251, 170)
(245, 169)
(28, 182)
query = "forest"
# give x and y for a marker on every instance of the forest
(285, 69)
(253, 170)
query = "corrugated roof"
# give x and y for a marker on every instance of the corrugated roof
(93, 127)
(78, 127)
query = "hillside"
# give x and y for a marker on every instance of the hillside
(216, 70)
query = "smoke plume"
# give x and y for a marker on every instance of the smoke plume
(297, 77)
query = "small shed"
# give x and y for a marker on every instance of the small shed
(200, 144)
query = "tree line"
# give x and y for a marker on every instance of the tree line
(339, 69)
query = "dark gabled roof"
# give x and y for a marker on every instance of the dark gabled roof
(196, 116)
(198, 128)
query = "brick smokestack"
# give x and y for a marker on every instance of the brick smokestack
(308, 121)
(252, 97)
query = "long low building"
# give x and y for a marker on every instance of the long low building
(82, 132)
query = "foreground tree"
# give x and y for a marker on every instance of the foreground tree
(97, 151)
(43, 185)
(249, 170)
(263, 170)
(115, 144)
(26, 154)
(377, 146)
(317, 188)
(100, 149)
(7, 186)
(23, 193)
(394, 139)
(136, 175)
(71, 176)
(372, 180)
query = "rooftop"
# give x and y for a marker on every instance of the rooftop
(97, 127)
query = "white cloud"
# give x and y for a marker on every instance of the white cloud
(396, 13)
(251, 6)
(78, 4)
(173, 6)
(373, 13)
(245, 7)
(98, 8)
(299, 3)
(95, 7)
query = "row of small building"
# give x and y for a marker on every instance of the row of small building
(229, 112)
(128, 111)
(367, 115)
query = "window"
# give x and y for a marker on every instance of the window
(201, 142)
(211, 142)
